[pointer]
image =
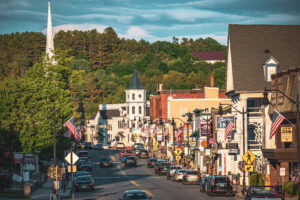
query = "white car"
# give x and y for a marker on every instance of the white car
(105, 146)
(120, 145)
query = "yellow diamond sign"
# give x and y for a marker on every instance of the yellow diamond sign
(178, 151)
(178, 158)
(248, 157)
(248, 168)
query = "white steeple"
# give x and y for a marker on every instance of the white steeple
(50, 43)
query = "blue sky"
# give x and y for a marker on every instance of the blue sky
(151, 20)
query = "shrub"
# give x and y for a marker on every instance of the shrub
(290, 188)
(257, 179)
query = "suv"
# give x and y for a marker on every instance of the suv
(130, 160)
(163, 168)
(143, 153)
(151, 162)
(191, 176)
(219, 185)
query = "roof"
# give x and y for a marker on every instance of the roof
(217, 55)
(93, 116)
(109, 114)
(252, 45)
(135, 82)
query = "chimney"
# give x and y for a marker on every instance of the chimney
(160, 87)
(212, 81)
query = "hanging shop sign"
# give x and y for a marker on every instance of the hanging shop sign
(205, 129)
(287, 134)
(18, 157)
(223, 121)
(203, 143)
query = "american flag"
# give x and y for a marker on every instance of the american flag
(70, 124)
(277, 120)
(178, 134)
(166, 132)
(67, 134)
(228, 129)
(143, 126)
(155, 132)
(78, 132)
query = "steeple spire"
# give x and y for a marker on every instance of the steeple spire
(50, 43)
(135, 82)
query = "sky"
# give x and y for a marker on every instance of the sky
(151, 20)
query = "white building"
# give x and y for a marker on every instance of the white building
(116, 122)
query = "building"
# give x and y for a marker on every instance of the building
(118, 122)
(285, 153)
(255, 52)
(210, 57)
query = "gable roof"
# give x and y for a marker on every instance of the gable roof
(109, 114)
(252, 45)
(135, 82)
(217, 55)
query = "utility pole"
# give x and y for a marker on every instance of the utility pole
(54, 150)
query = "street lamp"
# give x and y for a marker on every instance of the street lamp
(173, 123)
(297, 103)
(243, 113)
(189, 121)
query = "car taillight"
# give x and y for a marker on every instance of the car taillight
(179, 173)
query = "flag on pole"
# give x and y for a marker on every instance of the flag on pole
(70, 124)
(228, 129)
(166, 132)
(155, 132)
(277, 120)
(142, 128)
(178, 134)
(78, 132)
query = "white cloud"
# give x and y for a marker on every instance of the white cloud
(80, 27)
(136, 32)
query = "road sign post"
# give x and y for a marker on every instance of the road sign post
(282, 175)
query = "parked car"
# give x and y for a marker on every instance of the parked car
(98, 146)
(163, 168)
(178, 174)
(263, 192)
(88, 145)
(106, 162)
(191, 176)
(138, 149)
(120, 145)
(135, 194)
(140, 145)
(82, 173)
(171, 171)
(130, 161)
(125, 152)
(84, 182)
(219, 185)
(84, 165)
(204, 184)
(143, 153)
(123, 158)
(151, 162)
(157, 164)
(83, 154)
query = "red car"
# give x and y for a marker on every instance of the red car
(125, 153)
(263, 192)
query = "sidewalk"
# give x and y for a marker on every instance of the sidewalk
(43, 192)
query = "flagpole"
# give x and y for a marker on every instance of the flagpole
(285, 118)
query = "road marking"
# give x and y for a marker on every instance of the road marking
(122, 172)
(134, 183)
(149, 193)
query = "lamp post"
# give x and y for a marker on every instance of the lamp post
(243, 113)
(173, 123)
(297, 103)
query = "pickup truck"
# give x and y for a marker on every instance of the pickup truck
(263, 192)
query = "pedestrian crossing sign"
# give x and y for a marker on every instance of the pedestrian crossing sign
(178, 152)
(178, 158)
(248, 157)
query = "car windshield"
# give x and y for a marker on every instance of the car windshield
(192, 173)
(221, 180)
(263, 191)
(80, 173)
(152, 159)
(84, 178)
(83, 153)
(139, 195)
(130, 158)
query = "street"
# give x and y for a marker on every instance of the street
(110, 183)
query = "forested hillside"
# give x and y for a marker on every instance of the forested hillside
(108, 62)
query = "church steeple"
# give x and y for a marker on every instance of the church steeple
(50, 43)
(135, 82)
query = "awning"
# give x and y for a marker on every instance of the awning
(195, 133)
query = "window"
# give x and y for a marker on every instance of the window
(127, 110)
(133, 96)
(133, 109)
(140, 109)
(270, 68)
(140, 96)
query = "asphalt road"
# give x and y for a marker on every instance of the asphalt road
(110, 183)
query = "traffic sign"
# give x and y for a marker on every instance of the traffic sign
(178, 151)
(248, 157)
(68, 158)
(248, 168)
(74, 168)
(282, 171)
(178, 158)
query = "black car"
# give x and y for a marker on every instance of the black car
(135, 194)
(84, 182)
(98, 146)
(163, 168)
(106, 162)
(88, 145)
(151, 162)
(130, 161)
(84, 165)
(81, 173)
(219, 185)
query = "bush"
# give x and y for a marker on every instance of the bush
(290, 188)
(257, 179)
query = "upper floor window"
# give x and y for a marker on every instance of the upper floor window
(140, 96)
(140, 109)
(270, 68)
(133, 109)
(133, 96)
